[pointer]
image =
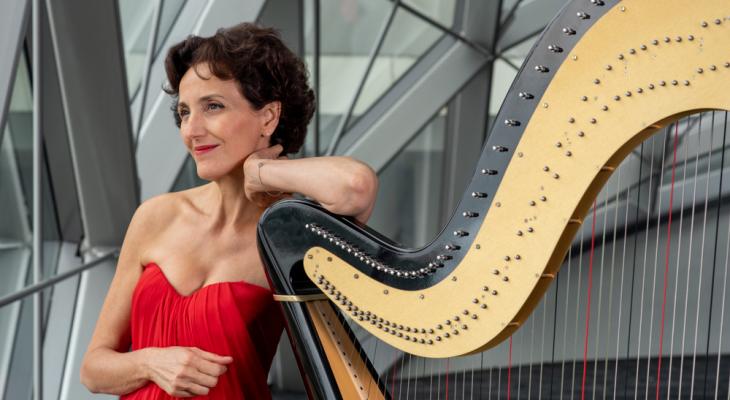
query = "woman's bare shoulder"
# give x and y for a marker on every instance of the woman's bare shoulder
(159, 212)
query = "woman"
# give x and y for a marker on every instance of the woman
(190, 294)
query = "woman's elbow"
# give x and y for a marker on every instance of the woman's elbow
(356, 194)
(364, 182)
(85, 376)
(362, 190)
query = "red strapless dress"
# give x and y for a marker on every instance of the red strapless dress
(236, 319)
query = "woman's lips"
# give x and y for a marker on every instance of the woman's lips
(204, 149)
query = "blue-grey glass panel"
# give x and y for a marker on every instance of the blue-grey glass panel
(408, 38)
(409, 197)
(441, 11)
(16, 168)
(14, 269)
(348, 33)
(137, 20)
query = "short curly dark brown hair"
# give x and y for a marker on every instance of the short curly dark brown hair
(265, 69)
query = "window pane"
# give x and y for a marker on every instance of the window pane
(441, 11)
(137, 19)
(407, 40)
(348, 31)
(408, 196)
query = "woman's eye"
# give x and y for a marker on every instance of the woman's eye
(214, 106)
(182, 113)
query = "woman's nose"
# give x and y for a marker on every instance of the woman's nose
(193, 126)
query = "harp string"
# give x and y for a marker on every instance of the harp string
(634, 247)
(532, 343)
(702, 252)
(408, 381)
(565, 321)
(623, 268)
(519, 369)
(448, 361)
(679, 253)
(611, 276)
(409, 377)
(375, 360)
(542, 347)
(600, 293)
(481, 368)
(650, 336)
(643, 274)
(430, 385)
(689, 254)
(725, 276)
(509, 370)
(623, 265)
(714, 257)
(666, 263)
(588, 302)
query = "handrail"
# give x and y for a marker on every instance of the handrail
(29, 290)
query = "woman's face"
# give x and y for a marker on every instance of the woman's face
(219, 127)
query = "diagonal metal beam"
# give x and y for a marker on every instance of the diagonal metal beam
(529, 19)
(13, 20)
(425, 18)
(87, 43)
(371, 60)
(56, 141)
(415, 102)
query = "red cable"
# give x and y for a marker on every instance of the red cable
(588, 306)
(666, 263)
(509, 369)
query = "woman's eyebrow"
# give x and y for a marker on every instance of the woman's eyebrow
(209, 97)
(200, 100)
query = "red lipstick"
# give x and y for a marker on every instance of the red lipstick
(202, 149)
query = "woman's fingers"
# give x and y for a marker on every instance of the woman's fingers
(200, 378)
(210, 368)
(191, 390)
(212, 356)
(182, 393)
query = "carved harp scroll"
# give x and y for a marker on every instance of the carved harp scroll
(604, 76)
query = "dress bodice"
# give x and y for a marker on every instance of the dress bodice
(236, 319)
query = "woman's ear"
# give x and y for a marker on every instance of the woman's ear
(270, 114)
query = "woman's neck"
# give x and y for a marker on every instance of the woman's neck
(230, 209)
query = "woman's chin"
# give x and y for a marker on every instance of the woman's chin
(208, 174)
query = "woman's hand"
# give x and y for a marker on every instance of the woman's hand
(256, 190)
(186, 371)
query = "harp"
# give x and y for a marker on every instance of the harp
(584, 172)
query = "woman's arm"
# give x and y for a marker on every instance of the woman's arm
(107, 366)
(342, 185)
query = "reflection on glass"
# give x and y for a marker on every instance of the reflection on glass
(407, 40)
(348, 31)
(137, 20)
(441, 11)
(408, 196)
